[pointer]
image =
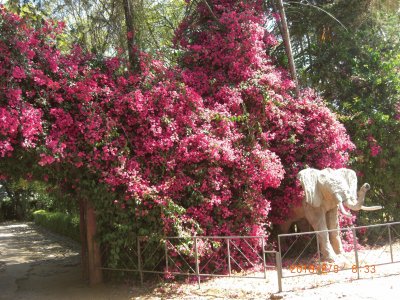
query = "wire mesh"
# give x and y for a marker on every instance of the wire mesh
(299, 254)
(123, 258)
(152, 254)
(180, 254)
(374, 245)
(395, 242)
(201, 256)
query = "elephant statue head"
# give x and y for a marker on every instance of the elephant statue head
(330, 188)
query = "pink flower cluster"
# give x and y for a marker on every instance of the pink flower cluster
(374, 146)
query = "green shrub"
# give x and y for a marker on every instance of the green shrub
(58, 222)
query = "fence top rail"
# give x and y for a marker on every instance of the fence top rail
(340, 229)
(378, 225)
(209, 237)
(263, 236)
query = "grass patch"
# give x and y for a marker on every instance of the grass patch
(58, 222)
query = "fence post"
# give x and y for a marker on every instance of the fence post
(390, 243)
(197, 261)
(263, 253)
(355, 251)
(93, 246)
(139, 261)
(319, 256)
(278, 259)
(279, 244)
(166, 255)
(228, 242)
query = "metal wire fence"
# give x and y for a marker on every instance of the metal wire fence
(196, 256)
(367, 251)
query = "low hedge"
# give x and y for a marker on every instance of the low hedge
(58, 222)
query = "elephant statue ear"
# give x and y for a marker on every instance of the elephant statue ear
(309, 179)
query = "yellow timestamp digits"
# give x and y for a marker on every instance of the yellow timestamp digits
(363, 269)
(315, 269)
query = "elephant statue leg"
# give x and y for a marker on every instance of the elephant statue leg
(334, 236)
(316, 218)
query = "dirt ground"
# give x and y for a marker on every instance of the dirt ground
(36, 264)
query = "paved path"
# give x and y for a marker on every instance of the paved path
(37, 264)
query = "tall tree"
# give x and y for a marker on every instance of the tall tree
(131, 31)
(100, 26)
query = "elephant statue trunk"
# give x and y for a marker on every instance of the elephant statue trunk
(358, 204)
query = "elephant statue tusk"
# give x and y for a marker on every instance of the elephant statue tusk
(346, 213)
(371, 208)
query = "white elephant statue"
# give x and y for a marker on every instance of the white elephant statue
(326, 191)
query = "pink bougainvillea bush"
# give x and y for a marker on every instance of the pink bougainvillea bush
(226, 61)
(209, 147)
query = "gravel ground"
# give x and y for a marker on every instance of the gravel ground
(378, 287)
(36, 264)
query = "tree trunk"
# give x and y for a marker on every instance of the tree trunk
(94, 254)
(288, 45)
(130, 35)
(82, 231)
